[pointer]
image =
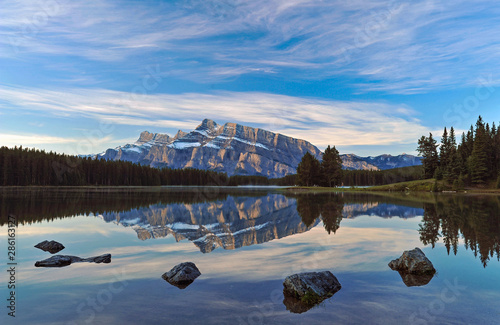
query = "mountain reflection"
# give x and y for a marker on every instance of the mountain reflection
(232, 218)
(234, 222)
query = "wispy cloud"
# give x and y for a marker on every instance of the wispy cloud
(322, 122)
(398, 46)
(11, 140)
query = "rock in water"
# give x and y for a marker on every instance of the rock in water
(65, 260)
(304, 290)
(56, 261)
(182, 275)
(50, 246)
(413, 262)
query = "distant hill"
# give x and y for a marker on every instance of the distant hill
(382, 162)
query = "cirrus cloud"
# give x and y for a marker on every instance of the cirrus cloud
(319, 121)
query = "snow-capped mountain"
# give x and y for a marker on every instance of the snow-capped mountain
(231, 148)
(237, 150)
(382, 162)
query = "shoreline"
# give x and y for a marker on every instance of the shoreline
(389, 188)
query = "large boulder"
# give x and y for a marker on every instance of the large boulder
(65, 260)
(413, 262)
(182, 275)
(304, 290)
(50, 246)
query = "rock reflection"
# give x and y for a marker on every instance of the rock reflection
(295, 305)
(413, 280)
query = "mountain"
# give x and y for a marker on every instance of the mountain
(382, 162)
(231, 148)
(237, 150)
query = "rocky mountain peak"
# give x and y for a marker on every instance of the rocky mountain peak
(145, 137)
(180, 134)
(207, 124)
(158, 138)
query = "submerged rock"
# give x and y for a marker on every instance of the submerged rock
(305, 290)
(413, 262)
(295, 305)
(415, 280)
(50, 246)
(182, 275)
(65, 260)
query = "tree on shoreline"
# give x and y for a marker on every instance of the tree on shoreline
(331, 167)
(427, 147)
(476, 160)
(309, 171)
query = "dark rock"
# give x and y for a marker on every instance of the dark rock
(413, 262)
(50, 246)
(295, 305)
(182, 275)
(65, 260)
(105, 258)
(56, 261)
(304, 290)
(415, 280)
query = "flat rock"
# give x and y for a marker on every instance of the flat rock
(413, 262)
(50, 246)
(65, 260)
(182, 275)
(304, 290)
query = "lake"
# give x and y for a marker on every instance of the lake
(245, 241)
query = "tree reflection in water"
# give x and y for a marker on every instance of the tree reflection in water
(475, 219)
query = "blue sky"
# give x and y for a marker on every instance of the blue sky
(369, 77)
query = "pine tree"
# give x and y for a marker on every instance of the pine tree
(308, 171)
(331, 167)
(427, 147)
(444, 150)
(478, 162)
(453, 169)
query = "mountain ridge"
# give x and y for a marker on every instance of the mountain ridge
(380, 162)
(231, 148)
(237, 150)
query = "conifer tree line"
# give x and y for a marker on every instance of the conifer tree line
(381, 177)
(474, 161)
(328, 172)
(20, 166)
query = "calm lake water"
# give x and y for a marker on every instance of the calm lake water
(245, 242)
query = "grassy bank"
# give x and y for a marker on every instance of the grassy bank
(426, 185)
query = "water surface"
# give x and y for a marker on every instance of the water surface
(245, 242)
